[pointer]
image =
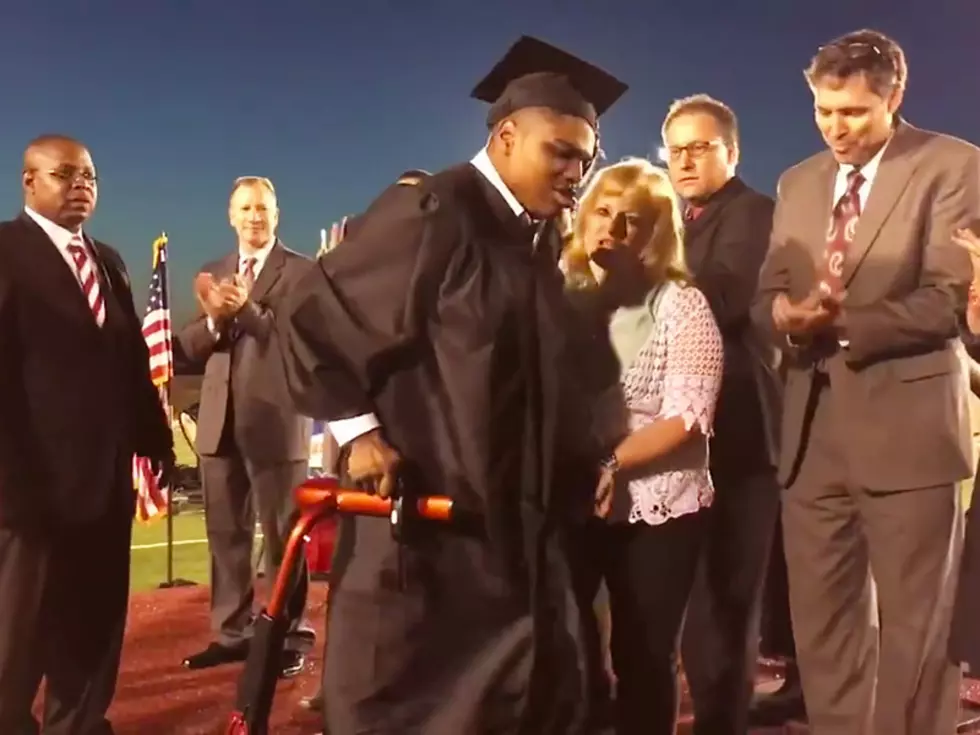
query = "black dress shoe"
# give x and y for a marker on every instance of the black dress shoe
(216, 655)
(293, 663)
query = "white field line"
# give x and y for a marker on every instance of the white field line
(185, 542)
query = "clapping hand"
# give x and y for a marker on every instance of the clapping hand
(208, 295)
(338, 231)
(233, 293)
(969, 240)
(805, 318)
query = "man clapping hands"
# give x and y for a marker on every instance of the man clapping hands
(254, 446)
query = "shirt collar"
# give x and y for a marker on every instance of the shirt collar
(870, 169)
(56, 233)
(260, 255)
(482, 163)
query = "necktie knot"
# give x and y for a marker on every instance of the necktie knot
(76, 248)
(855, 180)
(248, 271)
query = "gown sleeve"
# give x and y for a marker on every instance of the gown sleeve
(364, 304)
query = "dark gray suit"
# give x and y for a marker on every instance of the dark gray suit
(724, 247)
(254, 446)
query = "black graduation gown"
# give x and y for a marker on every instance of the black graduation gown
(437, 315)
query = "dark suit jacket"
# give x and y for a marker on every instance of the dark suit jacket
(243, 369)
(76, 400)
(725, 247)
(899, 387)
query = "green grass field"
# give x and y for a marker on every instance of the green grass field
(149, 554)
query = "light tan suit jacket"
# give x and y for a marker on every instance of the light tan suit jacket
(898, 388)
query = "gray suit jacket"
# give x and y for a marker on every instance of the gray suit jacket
(898, 389)
(245, 367)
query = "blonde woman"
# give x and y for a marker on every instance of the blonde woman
(625, 251)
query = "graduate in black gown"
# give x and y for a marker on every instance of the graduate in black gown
(432, 339)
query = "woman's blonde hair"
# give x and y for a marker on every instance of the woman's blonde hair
(663, 254)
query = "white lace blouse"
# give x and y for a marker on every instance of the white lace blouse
(677, 372)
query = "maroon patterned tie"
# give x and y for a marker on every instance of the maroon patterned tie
(88, 278)
(840, 234)
(248, 272)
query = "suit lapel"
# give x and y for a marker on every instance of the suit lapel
(54, 275)
(894, 173)
(227, 266)
(819, 204)
(699, 233)
(271, 272)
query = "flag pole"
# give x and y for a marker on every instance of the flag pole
(171, 581)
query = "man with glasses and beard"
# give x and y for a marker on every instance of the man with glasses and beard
(432, 340)
(862, 289)
(76, 403)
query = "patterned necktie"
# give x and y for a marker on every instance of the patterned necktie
(691, 213)
(840, 234)
(248, 272)
(87, 277)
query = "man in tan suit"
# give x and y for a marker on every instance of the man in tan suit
(861, 288)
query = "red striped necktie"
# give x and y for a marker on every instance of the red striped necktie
(87, 277)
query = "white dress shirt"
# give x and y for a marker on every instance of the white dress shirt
(346, 430)
(868, 171)
(261, 256)
(62, 239)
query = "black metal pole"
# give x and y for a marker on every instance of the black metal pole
(170, 581)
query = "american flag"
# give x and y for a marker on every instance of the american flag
(151, 499)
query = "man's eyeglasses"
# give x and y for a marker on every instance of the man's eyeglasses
(697, 149)
(860, 51)
(71, 176)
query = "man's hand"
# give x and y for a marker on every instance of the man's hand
(208, 295)
(805, 318)
(969, 240)
(233, 294)
(338, 231)
(373, 463)
(163, 468)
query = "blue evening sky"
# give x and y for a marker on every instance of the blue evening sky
(332, 100)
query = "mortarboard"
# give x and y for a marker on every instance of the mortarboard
(536, 74)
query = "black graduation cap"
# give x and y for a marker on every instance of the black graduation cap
(536, 74)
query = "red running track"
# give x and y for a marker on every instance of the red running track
(158, 697)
